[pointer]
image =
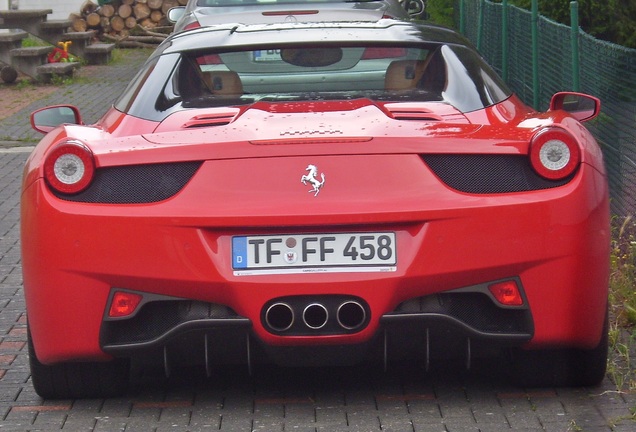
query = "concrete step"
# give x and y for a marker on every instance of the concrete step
(98, 53)
(28, 20)
(26, 60)
(53, 31)
(35, 22)
(10, 41)
(46, 72)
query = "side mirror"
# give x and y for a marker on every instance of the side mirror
(415, 8)
(581, 106)
(175, 13)
(46, 119)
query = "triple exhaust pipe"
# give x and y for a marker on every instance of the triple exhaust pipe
(328, 316)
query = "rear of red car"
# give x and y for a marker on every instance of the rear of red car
(263, 223)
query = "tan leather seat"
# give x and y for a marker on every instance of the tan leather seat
(223, 83)
(404, 74)
(428, 74)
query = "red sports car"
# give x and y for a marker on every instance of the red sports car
(315, 194)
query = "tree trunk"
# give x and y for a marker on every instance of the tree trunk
(141, 11)
(88, 7)
(130, 22)
(107, 11)
(124, 11)
(117, 23)
(78, 23)
(156, 16)
(93, 19)
(167, 5)
(116, 18)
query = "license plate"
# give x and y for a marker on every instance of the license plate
(266, 55)
(313, 253)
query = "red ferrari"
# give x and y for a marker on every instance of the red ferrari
(315, 194)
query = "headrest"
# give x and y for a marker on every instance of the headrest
(404, 74)
(223, 82)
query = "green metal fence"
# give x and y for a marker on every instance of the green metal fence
(535, 71)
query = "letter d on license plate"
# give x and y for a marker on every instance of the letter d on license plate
(306, 253)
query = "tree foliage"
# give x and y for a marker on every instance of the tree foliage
(441, 12)
(610, 20)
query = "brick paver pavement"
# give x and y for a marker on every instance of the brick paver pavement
(363, 399)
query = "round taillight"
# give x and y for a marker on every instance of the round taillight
(69, 167)
(554, 154)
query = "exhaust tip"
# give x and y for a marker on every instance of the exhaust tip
(351, 315)
(315, 316)
(279, 317)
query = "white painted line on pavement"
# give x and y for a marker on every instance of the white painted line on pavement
(23, 149)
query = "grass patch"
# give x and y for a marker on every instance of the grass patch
(119, 54)
(622, 299)
(61, 80)
(32, 41)
(25, 83)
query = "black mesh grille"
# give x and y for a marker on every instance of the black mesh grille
(475, 310)
(157, 318)
(135, 184)
(488, 174)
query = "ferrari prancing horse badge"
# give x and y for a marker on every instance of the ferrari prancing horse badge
(310, 177)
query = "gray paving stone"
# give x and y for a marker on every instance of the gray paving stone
(490, 417)
(331, 414)
(235, 423)
(298, 413)
(81, 424)
(423, 426)
(107, 424)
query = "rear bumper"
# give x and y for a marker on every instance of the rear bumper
(555, 242)
(470, 311)
(174, 332)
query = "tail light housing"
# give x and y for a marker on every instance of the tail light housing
(554, 153)
(69, 167)
(193, 25)
(209, 59)
(124, 304)
(507, 293)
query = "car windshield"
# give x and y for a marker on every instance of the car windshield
(448, 74)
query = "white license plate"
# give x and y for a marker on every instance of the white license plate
(266, 55)
(311, 253)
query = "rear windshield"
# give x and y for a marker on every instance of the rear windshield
(437, 73)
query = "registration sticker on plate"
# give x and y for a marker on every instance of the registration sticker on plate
(314, 253)
(266, 55)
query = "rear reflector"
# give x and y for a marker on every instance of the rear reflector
(507, 293)
(124, 304)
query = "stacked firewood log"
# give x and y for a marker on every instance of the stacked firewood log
(135, 22)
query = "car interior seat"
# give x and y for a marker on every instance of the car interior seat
(428, 74)
(223, 83)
